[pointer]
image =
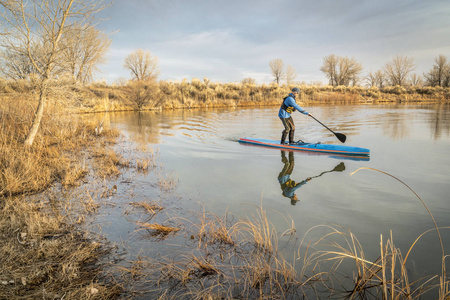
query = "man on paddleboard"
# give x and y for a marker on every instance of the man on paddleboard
(288, 106)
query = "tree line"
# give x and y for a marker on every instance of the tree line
(347, 71)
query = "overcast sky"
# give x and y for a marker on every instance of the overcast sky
(229, 40)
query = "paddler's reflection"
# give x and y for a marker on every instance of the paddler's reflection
(289, 186)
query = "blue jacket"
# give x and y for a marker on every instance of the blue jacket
(288, 186)
(290, 102)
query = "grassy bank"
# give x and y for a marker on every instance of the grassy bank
(203, 93)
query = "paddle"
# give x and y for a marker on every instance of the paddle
(339, 168)
(340, 136)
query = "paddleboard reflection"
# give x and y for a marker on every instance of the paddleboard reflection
(288, 186)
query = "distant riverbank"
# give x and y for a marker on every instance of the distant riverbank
(203, 93)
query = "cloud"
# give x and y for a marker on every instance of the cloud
(227, 40)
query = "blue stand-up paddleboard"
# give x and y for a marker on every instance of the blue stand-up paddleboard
(311, 147)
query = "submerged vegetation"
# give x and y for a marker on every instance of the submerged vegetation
(244, 259)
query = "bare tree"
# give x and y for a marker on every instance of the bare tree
(291, 74)
(398, 69)
(329, 67)
(446, 80)
(375, 79)
(341, 70)
(143, 93)
(248, 80)
(277, 67)
(142, 64)
(380, 79)
(370, 79)
(40, 25)
(415, 80)
(84, 49)
(439, 74)
(349, 70)
(15, 65)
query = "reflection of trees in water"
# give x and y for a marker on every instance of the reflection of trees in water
(395, 125)
(149, 126)
(336, 118)
(142, 127)
(147, 129)
(440, 121)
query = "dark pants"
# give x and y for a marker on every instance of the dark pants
(289, 127)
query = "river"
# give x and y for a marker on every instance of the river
(206, 167)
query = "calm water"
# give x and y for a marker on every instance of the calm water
(199, 150)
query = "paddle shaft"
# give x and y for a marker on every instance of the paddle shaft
(340, 136)
(339, 168)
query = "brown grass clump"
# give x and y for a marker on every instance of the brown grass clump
(158, 230)
(211, 229)
(222, 233)
(144, 165)
(260, 230)
(108, 162)
(73, 176)
(151, 207)
(386, 277)
(167, 182)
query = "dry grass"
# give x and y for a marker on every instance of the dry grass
(151, 207)
(204, 93)
(41, 249)
(108, 162)
(43, 253)
(209, 229)
(73, 176)
(228, 261)
(143, 165)
(386, 277)
(243, 260)
(157, 230)
(167, 182)
(148, 161)
(221, 232)
(58, 153)
(261, 231)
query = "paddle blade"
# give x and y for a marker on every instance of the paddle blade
(339, 168)
(340, 136)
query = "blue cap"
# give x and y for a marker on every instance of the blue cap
(296, 90)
